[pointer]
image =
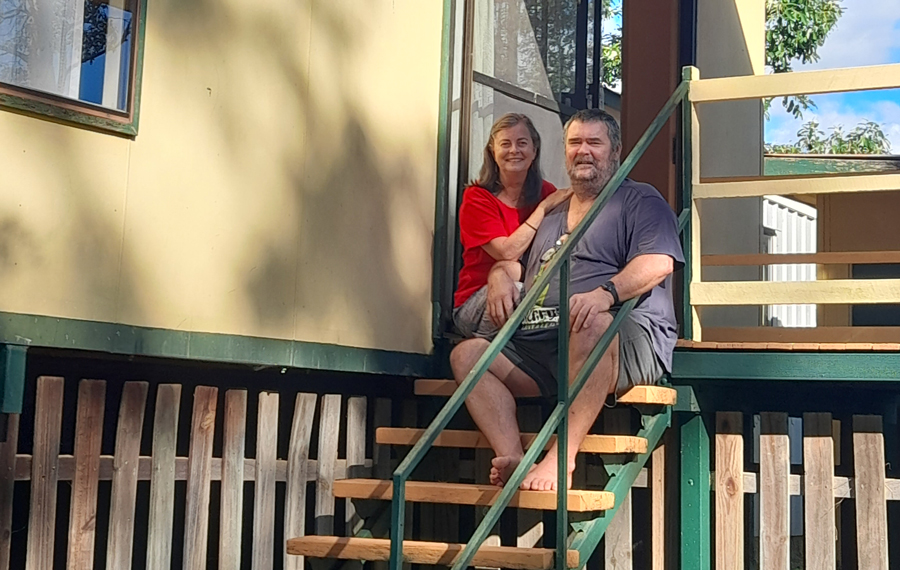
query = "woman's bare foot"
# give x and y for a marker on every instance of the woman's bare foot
(543, 476)
(502, 467)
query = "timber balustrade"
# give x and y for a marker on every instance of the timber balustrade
(697, 189)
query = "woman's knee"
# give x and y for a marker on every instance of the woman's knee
(464, 355)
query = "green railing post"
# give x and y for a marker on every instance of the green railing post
(695, 493)
(562, 431)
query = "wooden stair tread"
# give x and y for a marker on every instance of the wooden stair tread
(657, 395)
(593, 443)
(418, 552)
(463, 494)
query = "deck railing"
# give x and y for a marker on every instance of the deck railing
(697, 189)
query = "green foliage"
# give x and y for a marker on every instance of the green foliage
(796, 29)
(612, 59)
(866, 138)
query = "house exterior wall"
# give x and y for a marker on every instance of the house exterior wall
(731, 42)
(282, 184)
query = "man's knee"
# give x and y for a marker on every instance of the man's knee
(464, 355)
(586, 339)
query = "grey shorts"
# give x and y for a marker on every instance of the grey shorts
(638, 363)
(471, 318)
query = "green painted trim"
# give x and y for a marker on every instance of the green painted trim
(45, 110)
(139, 69)
(41, 331)
(687, 399)
(695, 494)
(442, 191)
(588, 534)
(763, 365)
(800, 165)
(41, 105)
(12, 378)
(687, 189)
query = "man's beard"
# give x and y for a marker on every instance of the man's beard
(593, 184)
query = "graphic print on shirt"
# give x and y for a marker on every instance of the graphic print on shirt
(540, 317)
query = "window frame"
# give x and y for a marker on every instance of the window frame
(73, 112)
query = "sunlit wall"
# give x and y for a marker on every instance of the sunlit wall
(282, 184)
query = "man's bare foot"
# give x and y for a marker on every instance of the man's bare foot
(543, 476)
(502, 467)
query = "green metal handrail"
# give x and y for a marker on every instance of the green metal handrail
(566, 393)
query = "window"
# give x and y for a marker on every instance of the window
(75, 60)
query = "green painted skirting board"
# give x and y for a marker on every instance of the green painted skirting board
(760, 365)
(42, 331)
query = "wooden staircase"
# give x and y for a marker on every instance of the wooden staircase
(652, 401)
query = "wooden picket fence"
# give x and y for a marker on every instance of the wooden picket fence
(162, 508)
(868, 490)
(45, 468)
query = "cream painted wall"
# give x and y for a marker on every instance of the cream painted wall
(282, 184)
(731, 42)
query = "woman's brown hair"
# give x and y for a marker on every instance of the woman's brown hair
(489, 177)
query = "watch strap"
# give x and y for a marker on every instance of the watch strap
(611, 287)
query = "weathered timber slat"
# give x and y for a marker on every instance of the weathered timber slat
(264, 490)
(843, 486)
(356, 455)
(44, 469)
(298, 473)
(124, 483)
(439, 553)
(730, 492)
(381, 454)
(593, 443)
(329, 432)
(775, 504)
(88, 438)
(871, 507)
(162, 477)
(145, 468)
(618, 542)
(232, 499)
(7, 482)
(463, 494)
(818, 490)
(658, 507)
(196, 524)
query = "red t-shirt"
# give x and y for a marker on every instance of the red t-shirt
(482, 218)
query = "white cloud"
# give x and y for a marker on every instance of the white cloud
(868, 33)
(782, 127)
(865, 35)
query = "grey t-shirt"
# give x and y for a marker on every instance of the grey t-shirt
(635, 221)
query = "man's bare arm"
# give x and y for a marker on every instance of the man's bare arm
(642, 274)
(502, 292)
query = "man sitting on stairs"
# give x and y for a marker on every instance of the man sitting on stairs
(630, 250)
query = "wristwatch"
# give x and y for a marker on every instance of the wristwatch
(611, 287)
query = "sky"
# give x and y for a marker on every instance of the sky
(868, 33)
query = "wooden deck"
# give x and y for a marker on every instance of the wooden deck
(792, 346)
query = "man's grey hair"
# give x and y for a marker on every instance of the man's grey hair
(597, 116)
